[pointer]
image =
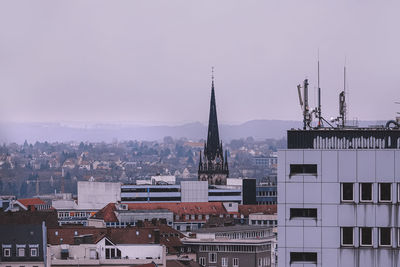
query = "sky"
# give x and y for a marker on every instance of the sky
(149, 62)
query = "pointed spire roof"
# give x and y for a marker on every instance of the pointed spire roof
(213, 144)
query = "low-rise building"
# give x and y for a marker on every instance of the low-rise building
(233, 246)
(23, 245)
(186, 216)
(88, 246)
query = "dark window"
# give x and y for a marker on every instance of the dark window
(134, 198)
(164, 189)
(157, 199)
(347, 192)
(125, 190)
(303, 213)
(385, 192)
(303, 169)
(224, 193)
(366, 192)
(347, 236)
(366, 236)
(303, 257)
(385, 237)
(112, 253)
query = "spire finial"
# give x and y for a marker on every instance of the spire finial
(212, 75)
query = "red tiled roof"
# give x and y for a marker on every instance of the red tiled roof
(169, 237)
(249, 209)
(181, 263)
(129, 235)
(183, 208)
(65, 234)
(31, 201)
(107, 213)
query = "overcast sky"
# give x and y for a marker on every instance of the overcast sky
(149, 62)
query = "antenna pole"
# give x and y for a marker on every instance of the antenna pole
(306, 109)
(319, 99)
(344, 100)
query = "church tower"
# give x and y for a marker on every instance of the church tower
(213, 165)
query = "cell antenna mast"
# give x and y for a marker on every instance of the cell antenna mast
(319, 99)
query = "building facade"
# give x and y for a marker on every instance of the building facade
(339, 191)
(187, 191)
(232, 246)
(23, 245)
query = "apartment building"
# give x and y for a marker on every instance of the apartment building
(339, 191)
(233, 246)
(23, 245)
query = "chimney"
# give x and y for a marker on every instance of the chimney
(157, 236)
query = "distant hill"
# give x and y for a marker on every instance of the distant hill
(55, 132)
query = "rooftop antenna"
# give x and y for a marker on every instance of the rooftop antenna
(343, 98)
(319, 98)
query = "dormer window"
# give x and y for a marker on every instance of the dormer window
(7, 252)
(21, 252)
(34, 252)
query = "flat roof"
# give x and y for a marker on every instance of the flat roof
(232, 228)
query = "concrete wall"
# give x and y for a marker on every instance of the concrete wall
(96, 195)
(323, 192)
(194, 191)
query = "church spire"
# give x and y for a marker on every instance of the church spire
(212, 166)
(213, 144)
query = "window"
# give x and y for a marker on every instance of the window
(202, 261)
(385, 192)
(347, 236)
(366, 192)
(385, 236)
(259, 262)
(7, 252)
(303, 213)
(310, 169)
(303, 257)
(212, 257)
(224, 262)
(21, 252)
(366, 236)
(235, 262)
(347, 192)
(34, 252)
(93, 254)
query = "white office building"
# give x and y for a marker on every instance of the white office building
(339, 197)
